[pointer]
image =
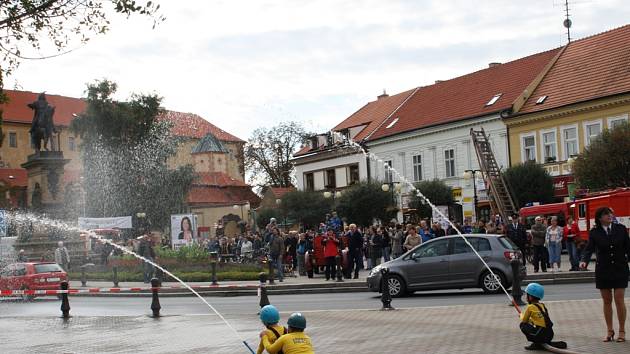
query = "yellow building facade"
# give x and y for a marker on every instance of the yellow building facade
(552, 137)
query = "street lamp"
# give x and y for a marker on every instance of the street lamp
(468, 175)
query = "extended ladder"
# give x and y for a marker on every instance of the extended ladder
(500, 197)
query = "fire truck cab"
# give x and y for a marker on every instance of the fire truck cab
(584, 209)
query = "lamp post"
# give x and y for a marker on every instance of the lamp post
(468, 175)
(396, 188)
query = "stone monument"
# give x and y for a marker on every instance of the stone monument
(44, 167)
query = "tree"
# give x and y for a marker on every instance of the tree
(56, 25)
(364, 202)
(125, 147)
(307, 208)
(529, 182)
(268, 153)
(264, 215)
(438, 192)
(605, 163)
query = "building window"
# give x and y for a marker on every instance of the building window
(353, 174)
(449, 162)
(614, 122)
(13, 139)
(592, 131)
(417, 168)
(331, 181)
(309, 181)
(71, 145)
(529, 148)
(549, 146)
(570, 142)
(389, 175)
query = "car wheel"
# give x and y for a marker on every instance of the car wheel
(489, 284)
(396, 286)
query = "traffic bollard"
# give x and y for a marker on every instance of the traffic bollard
(155, 303)
(339, 271)
(386, 297)
(213, 265)
(83, 276)
(115, 276)
(518, 274)
(65, 304)
(270, 264)
(262, 290)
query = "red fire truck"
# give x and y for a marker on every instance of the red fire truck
(583, 210)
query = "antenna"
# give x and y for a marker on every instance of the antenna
(567, 21)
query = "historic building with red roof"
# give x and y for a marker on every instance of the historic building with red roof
(216, 155)
(585, 92)
(553, 102)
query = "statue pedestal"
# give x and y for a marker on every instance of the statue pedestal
(45, 174)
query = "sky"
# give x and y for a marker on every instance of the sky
(244, 64)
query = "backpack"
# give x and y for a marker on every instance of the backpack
(277, 334)
(548, 322)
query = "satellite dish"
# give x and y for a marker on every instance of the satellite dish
(567, 23)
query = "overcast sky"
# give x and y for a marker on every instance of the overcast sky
(246, 64)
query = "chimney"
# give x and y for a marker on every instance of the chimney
(494, 64)
(383, 95)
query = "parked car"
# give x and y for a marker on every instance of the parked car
(449, 263)
(32, 276)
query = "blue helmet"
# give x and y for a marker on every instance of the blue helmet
(269, 315)
(536, 290)
(297, 320)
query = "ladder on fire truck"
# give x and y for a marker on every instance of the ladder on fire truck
(501, 201)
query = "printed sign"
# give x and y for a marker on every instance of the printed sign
(183, 228)
(123, 222)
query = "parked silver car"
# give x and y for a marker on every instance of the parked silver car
(449, 263)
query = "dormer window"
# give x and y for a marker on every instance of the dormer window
(392, 123)
(314, 142)
(541, 99)
(494, 99)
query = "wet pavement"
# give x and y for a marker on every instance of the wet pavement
(459, 327)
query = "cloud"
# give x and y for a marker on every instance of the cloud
(245, 64)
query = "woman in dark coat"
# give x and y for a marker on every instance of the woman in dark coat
(611, 244)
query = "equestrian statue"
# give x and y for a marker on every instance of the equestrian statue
(42, 127)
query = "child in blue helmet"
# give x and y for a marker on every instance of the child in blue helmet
(294, 342)
(535, 322)
(270, 317)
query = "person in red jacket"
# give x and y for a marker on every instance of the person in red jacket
(331, 250)
(572, 234)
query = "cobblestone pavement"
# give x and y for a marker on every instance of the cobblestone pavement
(448, 329)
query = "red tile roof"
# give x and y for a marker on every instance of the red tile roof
(373, 114)
(278, 192)
(185, 124)
(16, 110)
(14, 177)
(218, 179)
(220, 196)
(466, 96)
(589, 68)
(192, 125)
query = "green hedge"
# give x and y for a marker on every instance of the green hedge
(126, 276)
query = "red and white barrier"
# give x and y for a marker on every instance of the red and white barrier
(118, 290)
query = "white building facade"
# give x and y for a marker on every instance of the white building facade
(331, 170)
(443, 152)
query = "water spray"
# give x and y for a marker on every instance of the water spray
(125, 250)
(57, 224)
(404, 180)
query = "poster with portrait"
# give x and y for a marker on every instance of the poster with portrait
(183, 228)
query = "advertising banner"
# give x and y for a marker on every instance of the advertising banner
(122, 222)
(183, 228)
